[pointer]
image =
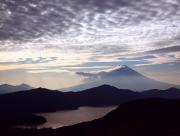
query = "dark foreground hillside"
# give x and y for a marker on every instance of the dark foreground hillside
(42, 100)
(18, 108)
(148, 117)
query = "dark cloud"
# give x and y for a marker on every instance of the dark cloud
(37, 61)
(139, 58)
(85, 74)
(29, 19)
(165, 50)
(30, 61)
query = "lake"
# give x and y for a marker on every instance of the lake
(71, 117)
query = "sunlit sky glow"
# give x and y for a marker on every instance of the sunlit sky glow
(45, 42)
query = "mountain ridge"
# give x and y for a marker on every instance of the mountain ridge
(45, 100)
(6, 88)
(122, 77)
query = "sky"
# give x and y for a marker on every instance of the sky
(46, 42)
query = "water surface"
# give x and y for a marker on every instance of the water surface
(71, 117)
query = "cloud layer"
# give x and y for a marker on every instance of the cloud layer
(58, 23)
(88, 35)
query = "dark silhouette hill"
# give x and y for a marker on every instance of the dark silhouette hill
(18, 119)
(146, 117)
(104, 95)
(43, 100)
(35, 101)
(157, 117)
(18, 108)
(170, 93)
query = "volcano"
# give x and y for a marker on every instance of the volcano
(122, 77)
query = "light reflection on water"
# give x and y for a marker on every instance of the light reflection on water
(71, 117)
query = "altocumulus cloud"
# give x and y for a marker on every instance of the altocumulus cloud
(69, 22)
(30, 60)
(101, 30)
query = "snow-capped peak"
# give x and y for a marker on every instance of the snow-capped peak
(117, 68)
(122, 70)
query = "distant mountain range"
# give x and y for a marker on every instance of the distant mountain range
(121, 77)
(44, 100)
(6, 88)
